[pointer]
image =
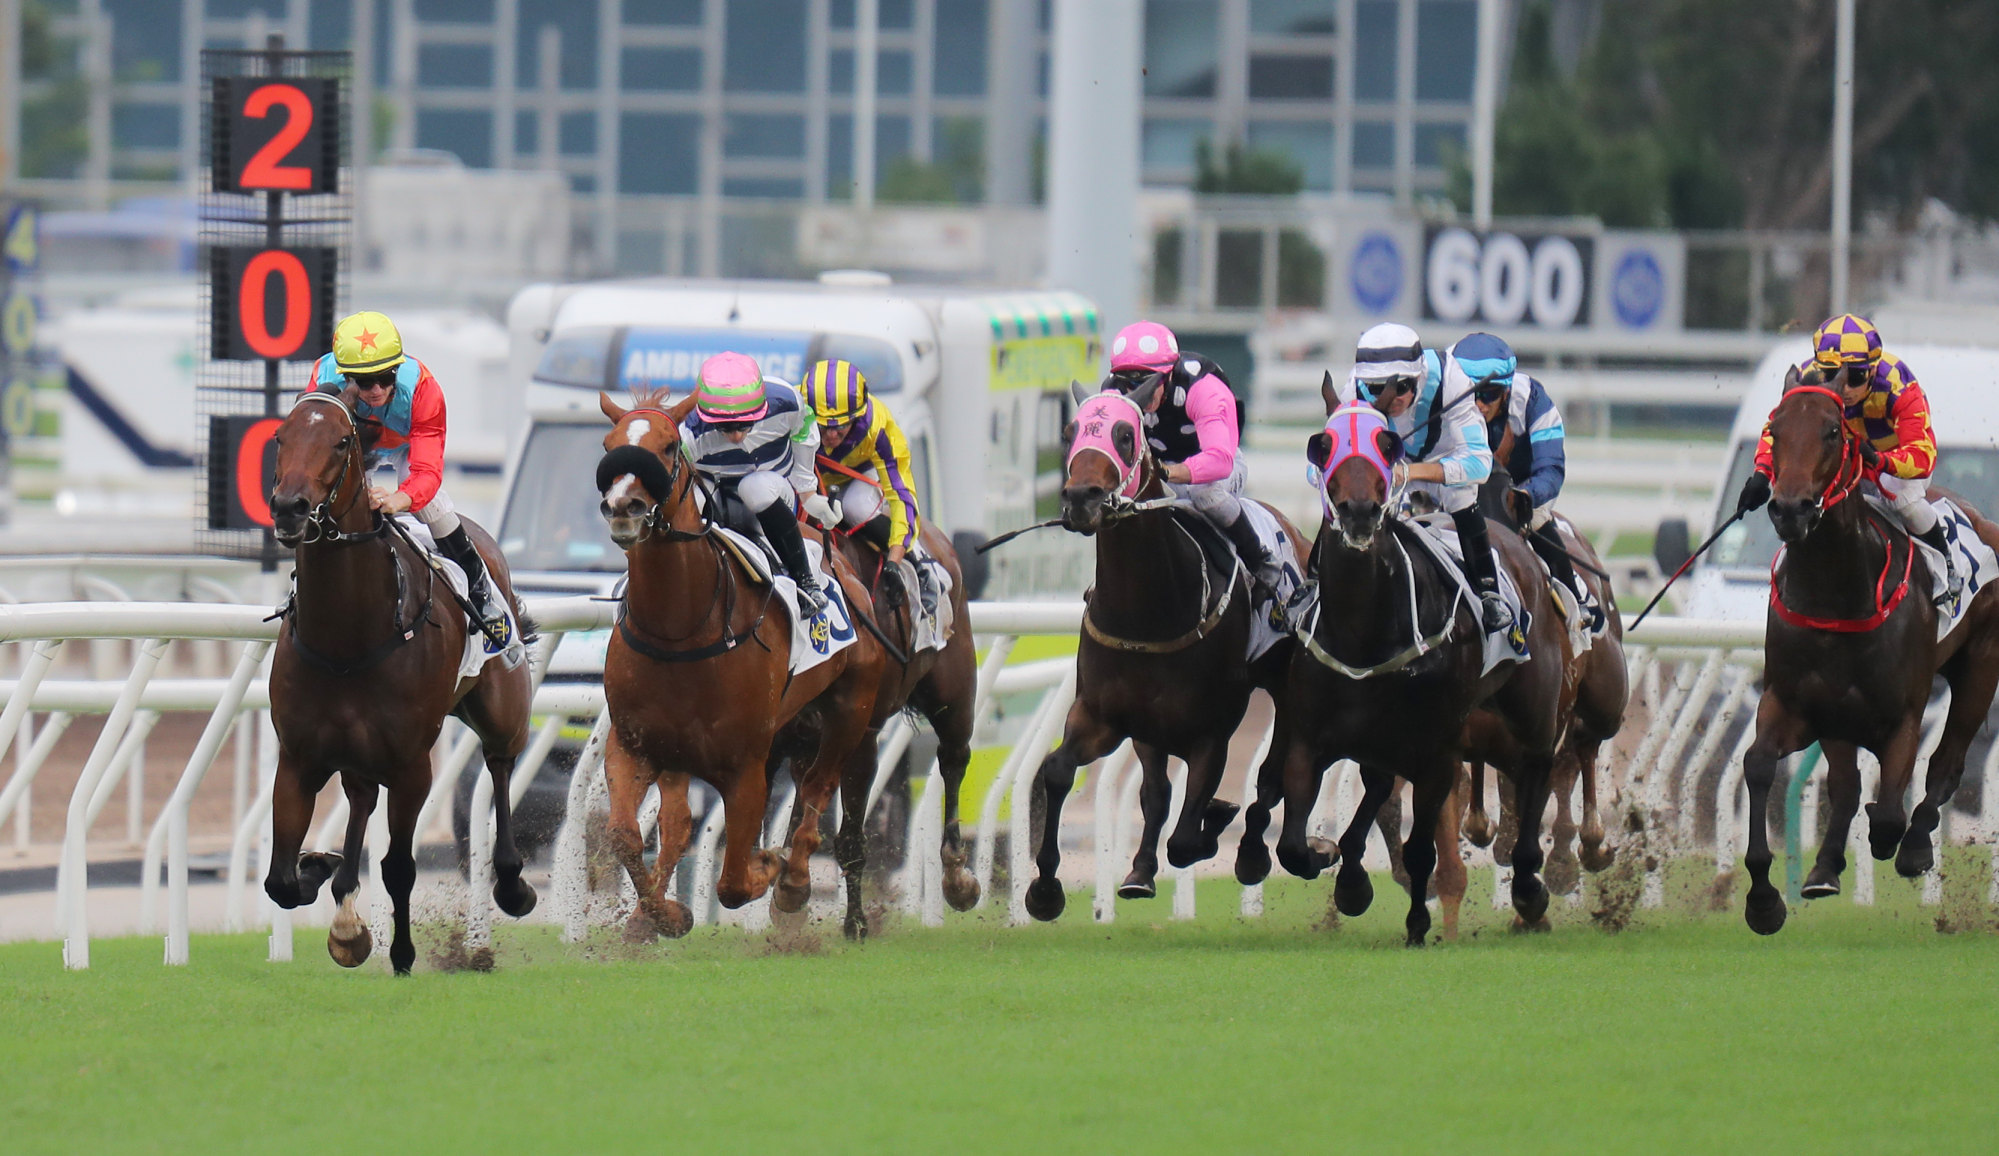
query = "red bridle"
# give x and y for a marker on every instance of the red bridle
(1840, 486)
(1836, 490)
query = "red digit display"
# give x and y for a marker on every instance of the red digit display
(264, 170)
(242, 468)
(297, 298)
(252, 490)
(271, 304)
(276, 135)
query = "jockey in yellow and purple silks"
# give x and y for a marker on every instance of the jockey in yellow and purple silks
(858, 432)
(1889, 417)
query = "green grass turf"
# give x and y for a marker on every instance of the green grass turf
(1854, 1030)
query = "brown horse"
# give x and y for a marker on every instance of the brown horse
(697, 680)
(1850, 650)
(1162, 658)
(941, 685)
(365, 670)
(1391, 671)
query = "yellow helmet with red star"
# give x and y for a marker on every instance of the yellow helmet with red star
(367, 343)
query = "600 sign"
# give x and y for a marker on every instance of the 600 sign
(1507, 278)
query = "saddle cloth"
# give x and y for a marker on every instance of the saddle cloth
(475, 657)
(932, 630)
(813, 641)
(1437, 534)
(1580, 637)
(1975, 560)
(1269, 623)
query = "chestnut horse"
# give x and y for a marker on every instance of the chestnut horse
(1163, 655)
(1850, 650)
(1391, 670)
(364, 672)
(697, 680)
(941, 685)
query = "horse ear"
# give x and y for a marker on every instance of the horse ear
(1390, 444)
(1329, 393)
(371, 433)
(1318, 448)
(1068, 433)
(1080, 392)
(351, 397)
(611, 409)
(681, 409)
(1793, 378)
(1148, 389)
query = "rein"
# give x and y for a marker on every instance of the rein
(1837, 490)
(1307, 632)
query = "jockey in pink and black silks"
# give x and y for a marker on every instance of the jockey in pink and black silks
(1193, 427)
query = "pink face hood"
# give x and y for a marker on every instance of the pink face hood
(1352, 429)
(1094, 422)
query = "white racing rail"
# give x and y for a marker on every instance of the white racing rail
(1692, 681)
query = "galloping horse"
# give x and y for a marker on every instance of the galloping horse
(1162, 658)
(365, 670)
(697, 679)
(1850, 651)
(941, 685)
(1391, 671)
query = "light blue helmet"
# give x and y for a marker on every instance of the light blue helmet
(1485, 359)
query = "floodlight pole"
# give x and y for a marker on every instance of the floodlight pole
(1485, 110)
(1842, 155)
(867, 50)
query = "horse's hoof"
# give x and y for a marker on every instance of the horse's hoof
(515, 896)
(855, 928)
(1597, 857)
(1418, 929)
(1326, 847)
(1478, 828)
(1884, 837)
(1045, 899)
(674, 919)
(1217, 815)
(1820, 883)
(353, 950)
(1522, 926)
(314, 869)
(1530, 898)
(641, 928)
(1916, 856)
(402, 956)
(787, 898)
(1252, 863)
(788, 920)
(1353, 893)
(1765, 912)
(285, 895)
(961, 889)
(1136, 886)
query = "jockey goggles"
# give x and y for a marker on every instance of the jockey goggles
(1491, 390)
(1386, 388)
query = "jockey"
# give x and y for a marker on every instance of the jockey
(398, 393)
(1516, 407)
(1445, 454)
(1194, 428)
(1889, 418)
(749, 433)
(859, 433)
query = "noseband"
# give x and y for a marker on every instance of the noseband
(658, 478)
(322, 522)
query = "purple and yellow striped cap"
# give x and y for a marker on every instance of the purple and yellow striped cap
(836, 390)
(1846, 340)
(730, 388)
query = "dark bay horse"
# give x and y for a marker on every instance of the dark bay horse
(363, 675)
(1850, 650)
(697, 681)
(1163, 655)
(941, 685)
(1391, 671)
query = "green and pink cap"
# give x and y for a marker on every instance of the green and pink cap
(730, 388)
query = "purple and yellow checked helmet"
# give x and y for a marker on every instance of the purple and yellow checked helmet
(730, 388)
(836, 391)
(1844, 341)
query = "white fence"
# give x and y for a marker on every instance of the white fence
(1692, 682)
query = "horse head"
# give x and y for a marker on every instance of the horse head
(320, 451)
(1812, 458)
(1108, 465)
(1355, 455)
(642, 475)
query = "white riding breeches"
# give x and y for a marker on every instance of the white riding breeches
(764, 489)
(1450, 499)
(859, 503)
(439, 515)
(1218, 501)
(1910, 497)
(1541, 516)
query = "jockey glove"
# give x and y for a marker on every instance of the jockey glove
(1869, 456)
(1755, 492)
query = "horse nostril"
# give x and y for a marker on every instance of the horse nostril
(604, 508)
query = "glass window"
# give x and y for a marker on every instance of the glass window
(888, 13)
(660, 69)
(145, 126)
(1182, 48)
(1374, 50)
(765, 47)
(1291, 77)
(527, 133)
(876, 359)
(960, 60)
(454, 66)
(1436, 144)
(577, 24)
(840, 70)
(1373, 145)
(461, 11)
(576, 134)
(576, 357)
(894, 72)
(1291, 17)
(659, 152)
(1309, 144)
(1169, 144)
(467, 135)
(145, 41)
(662, 11)
(552, 522)
(781, 188)
(1446, 49)
(760, 135)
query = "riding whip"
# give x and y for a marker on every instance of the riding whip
(1010, 535)
(1732, 520)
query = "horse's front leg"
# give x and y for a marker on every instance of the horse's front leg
(1594, 855)
(1564, 869)
(289, 883)
(1197, 835)
(1530, 792)
(1450, 870)
(1842, 794)
(1432, 792)
(1155, 798)
(1085, 739)
(1303, 771)
(399, 865)
(748, 869)
(1972, 675)
(1353, 891)
(514, 894)
(1778, 733)
(1887, 815)
(349, 941)
(1252, 857)
(1478, 825)
(627, 776)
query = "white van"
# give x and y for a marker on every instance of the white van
(1962, 384)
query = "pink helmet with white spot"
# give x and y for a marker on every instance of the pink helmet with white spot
(1143, 345)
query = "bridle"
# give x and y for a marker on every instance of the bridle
(647, 467)
(1132, 479)
(1837, 489)
(322, 522)
(1840, 486)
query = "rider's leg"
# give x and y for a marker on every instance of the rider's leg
(865, 515)
(1462, 503)
(1547, 542)
(769, 497)
(1911, 498)
(440, 517)
(1219, 503)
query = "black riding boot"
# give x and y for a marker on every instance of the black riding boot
(780, 528)
(489, 617)
(1547, 543)
(1481, 569)
(1263, 569)
(1952, 581)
